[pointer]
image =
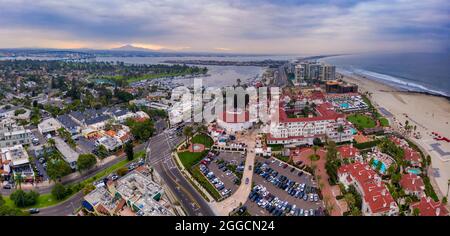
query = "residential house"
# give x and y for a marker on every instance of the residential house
(377, 200)
(15, 161)
(49, 126)
(429, 207)
(413, 184)
(69, 124)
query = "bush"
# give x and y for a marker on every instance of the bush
(24, 199)
(122, 171)
(86, 161)
(367, 145)
(60, 191)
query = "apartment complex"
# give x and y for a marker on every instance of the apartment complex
(12, 134)
(303, 130)
(314, 71)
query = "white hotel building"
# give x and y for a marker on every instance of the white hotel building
(303, 130)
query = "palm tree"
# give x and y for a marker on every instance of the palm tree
(340, 130)
(350, 199)
(448, 186)
(18, 179)
(315, 148)
(202, 130)
(51, 142)
(188, 132)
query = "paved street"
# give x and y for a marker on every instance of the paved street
(64, 209)
(159, 156)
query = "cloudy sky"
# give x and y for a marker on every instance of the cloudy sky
(253, 26)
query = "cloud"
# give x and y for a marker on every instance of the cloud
(254, 26)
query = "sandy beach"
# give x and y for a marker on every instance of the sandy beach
(429, 113)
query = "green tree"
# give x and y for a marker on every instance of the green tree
(129, 150)
(51, 142)
(86, 162)
(317, 142)
(188, 132)
(24, 199)
(416, 212)
(340, 130)
(18, 179)
(141, 131)
(122, 171)
(57, 168)
(60, 191)
(102, 152)
(350, 199)
(11, 211)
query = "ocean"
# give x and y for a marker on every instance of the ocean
(419, 72)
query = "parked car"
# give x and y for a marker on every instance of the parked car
(247, 180)
(33, 211)
(7, 186)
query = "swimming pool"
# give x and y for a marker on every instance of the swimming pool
(383, 166)
(354, 131)
(344, 105)
(415, 171)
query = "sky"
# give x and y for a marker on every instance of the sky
(244, 26)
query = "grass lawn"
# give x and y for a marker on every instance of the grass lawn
(276, 147)
(202, 180)
(203, 139)
(314, 157)
(189, 159)
(44, 200)
(384, 122)
(361, 121)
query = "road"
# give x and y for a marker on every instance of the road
(282, 79)
(77, 177)
(159, 156)
(65, 208)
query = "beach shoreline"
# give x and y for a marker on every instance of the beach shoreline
(428, 112)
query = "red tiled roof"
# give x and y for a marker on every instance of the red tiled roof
(347, 151)
(100, 208)
(428, 207)
(120, 205)
(412, 182)
(325, 112)
(375, 193)
(411, 155)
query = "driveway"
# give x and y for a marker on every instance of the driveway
(240, 196)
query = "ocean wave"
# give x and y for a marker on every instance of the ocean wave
(410, 86)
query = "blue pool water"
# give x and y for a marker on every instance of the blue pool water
(354, 131)
(414, 171)
(344, 105)
(383, 167)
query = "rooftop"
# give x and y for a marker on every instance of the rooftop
(412, 183)
(428, 207)
(142, 192)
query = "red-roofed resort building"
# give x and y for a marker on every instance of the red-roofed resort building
(303, 130)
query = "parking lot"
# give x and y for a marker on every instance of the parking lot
(282, 190)
(216, 169)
